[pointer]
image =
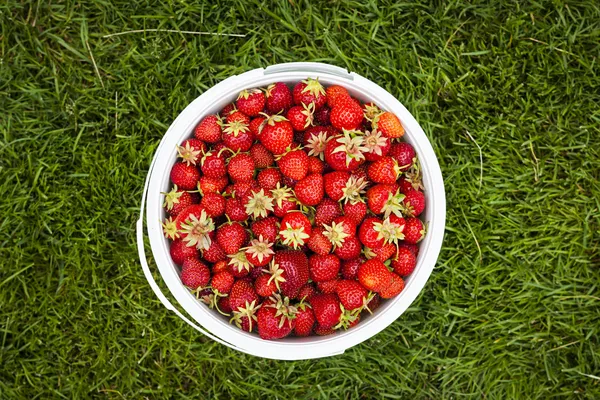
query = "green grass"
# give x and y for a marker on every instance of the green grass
(512, 309)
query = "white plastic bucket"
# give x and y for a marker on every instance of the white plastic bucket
(218, 328)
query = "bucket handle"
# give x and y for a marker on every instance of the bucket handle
(144, 261)
(309, 66)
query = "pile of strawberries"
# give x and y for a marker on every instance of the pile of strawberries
(293, 211)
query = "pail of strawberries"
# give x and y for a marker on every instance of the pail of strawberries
(293, 211)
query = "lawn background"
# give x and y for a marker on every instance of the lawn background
(512, 308)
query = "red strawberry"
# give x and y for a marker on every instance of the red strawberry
(195, 227)
(264, 285)
(316, 138)
(222, 282)
(191, 151)
(374, 303)
(384, 199)
(221, 265)
(323, 332)
(414, 203)
(384, 170)
(237, 116)
(228, 109)
(352, 294)
(241, 167)
(294, 265)
(322, 116)
(214, 253)
(327, 211)
(231, 237)
(277, 134)
(259, 204)
(389, 125)
(346, 114)
(305, 320)
(260, 251)
(214, 204)
(180, 251)
(309, 191)
(269, 178)
(294, 164)
(377, 145)
(239, 266)
(235, 210)
(213, 165)
(223, 305)
(209, 129)
(403, 153)
(327, 310)
(177, 200)
(261, 156)
(393, 289)
(212, 185)
(318, 242)
(345, 152)
(242, 293)
(355, 211)
(268, 228)
(315, 166)
(310, 91)
(414, 231)
(251, 102)
(347, 225)
(350, 268)
(237, 137)
(301, 117)
(275, 320)
(361, 172)
(185, 176)
(405, 262)
(255, 126)
(194, 273)
(412, 247)
(328, 286)
(323, 267)
(370, 233)
(279, 97)
(334, 92)
(244, 190)
(374, 275)
(384, 252)
(295, 229)
(307, 291)
(335, 182)
(350, 249)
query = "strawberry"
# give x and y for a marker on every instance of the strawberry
(177, 200)
(355, 211)
(389, 125)
(322, 331)
(277, 134)
(241, 167)
(180, 251)
(394, 288)
(307, 291)
(222, 282)
(170, 229)
(371, 111)
(287, 181)
(214, 253)
(322, 116)
(374, 303)
(244, 190)
(195, 227)
(346, 114)
(301, 117)
(405, 262)
(369, 234)
(384, 170)
(239, 266)
(414, 231)
(223, 305)
(360, 172)
(323, 267)
(231, 237)
(209, 129)
(237, 137)
(305, 320)
(345, 152)
(346, 223)
(384, 252)
(214, 204)
(212, 185)
(261, 156)
(335, 182)
(414, 203)
(194, 273)
(228, 109)
(309, 191)
(185, 176)
(191, 151)
(213, 165)
(412, 247)
(265, 286)
(242, 293)
(316, 138)
(222, 265)
(328, 286)
(246, 317)
(334, 92)
(350, 268)
(269, 178)
(255, 126)
(349, 249)
(310, 91)
(403, 153)
(295, 229)
(352, 294)
(374, 275)
(251, 102)
(315, 165)
(384, 199)
(294, 266)
(279, 98)
(327, 310)
(276, 319)
(294, 164)
(338, 233)
(327, 211)
(268, 228)
(259, 252)
(318, 242)
(235, 210)
(377, 145)
(259, 204)
(237, 116)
